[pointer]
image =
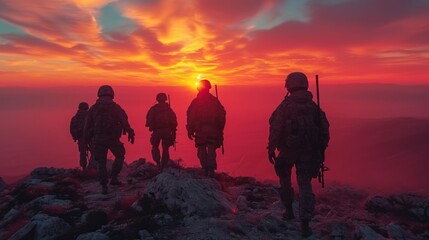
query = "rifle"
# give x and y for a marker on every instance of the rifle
(169, 104)
(320, 151)
(217, 96)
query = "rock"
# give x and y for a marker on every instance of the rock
(47, 227)
(339, 231)
(408, 205)
(396, 232)
(163, 219)
(10, 217)
(178, 191)
(145, 235)
(93, 236)
(24, 233)
(271, 224)
(96, 197)
(2, 184)
(93, 220)
(49, 200)
(364, 232)
(49, 171)
(241, 203)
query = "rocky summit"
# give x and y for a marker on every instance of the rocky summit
(181, 203)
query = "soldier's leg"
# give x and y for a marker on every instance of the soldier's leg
(211, 159)
(202, 155)
(155, 139)
(306, 196)
(283, 169)
(82, 151)
(166, 143)
(118, 150)
(100, 156)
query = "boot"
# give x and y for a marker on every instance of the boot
(288, 213)
(114, 181)
(305, 229)
(104, 189)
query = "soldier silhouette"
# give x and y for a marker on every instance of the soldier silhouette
(298, 128)
(77, 125)
(104, 125)
(205, 124)
(162, 122)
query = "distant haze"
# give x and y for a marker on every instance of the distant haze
(380, 132)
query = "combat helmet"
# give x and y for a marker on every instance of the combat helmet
(106, 90)
(204, 84)
(161, 97)
(83, 106)
(296, 81)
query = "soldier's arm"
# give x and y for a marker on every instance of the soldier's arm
(276, 127)
(173, 120)
(149, 118)
(88, 126)
(190, 118)
(123, 119)
(222, 116)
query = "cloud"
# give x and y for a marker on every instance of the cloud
(240, 41)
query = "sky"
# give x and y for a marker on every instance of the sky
(230, 42)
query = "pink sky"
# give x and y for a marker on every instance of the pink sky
(240, 42)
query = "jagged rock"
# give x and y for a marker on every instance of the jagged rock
(96, 197)
(24, 233)
(93, 220)
(163, 219)
(364, 232)
(44, 227)
(178, 191)
(241, 203)
(10, 217)
(339, 231)
(2, 184)
(50, 171)
(405, 204)
(93, 236)
(145, 235)
(48, 227)
(271, 224)
(50, 200)
(396, 232)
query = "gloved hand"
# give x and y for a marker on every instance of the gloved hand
(191, 135)
(271, 155)
(131, 137)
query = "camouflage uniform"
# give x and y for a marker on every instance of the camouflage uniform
(206, 122)
(77, 124)
(104, 125)
(292, 152)
(162, 121)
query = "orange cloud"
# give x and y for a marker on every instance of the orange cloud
(230, 42)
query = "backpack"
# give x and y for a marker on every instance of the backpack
(301, 125)
(77, 124)
(106, 121)
(160, 117)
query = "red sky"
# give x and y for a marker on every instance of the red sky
(233, 42)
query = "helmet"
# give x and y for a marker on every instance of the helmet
(83, 106)
(295, 81)
(204, 84)
(161, 97)
(106, 90)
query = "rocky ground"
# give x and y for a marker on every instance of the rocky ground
(181, 203)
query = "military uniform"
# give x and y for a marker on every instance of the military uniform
(105, 123)
(77, 124)
(205, 122)
(298, 130)
(162, 121)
